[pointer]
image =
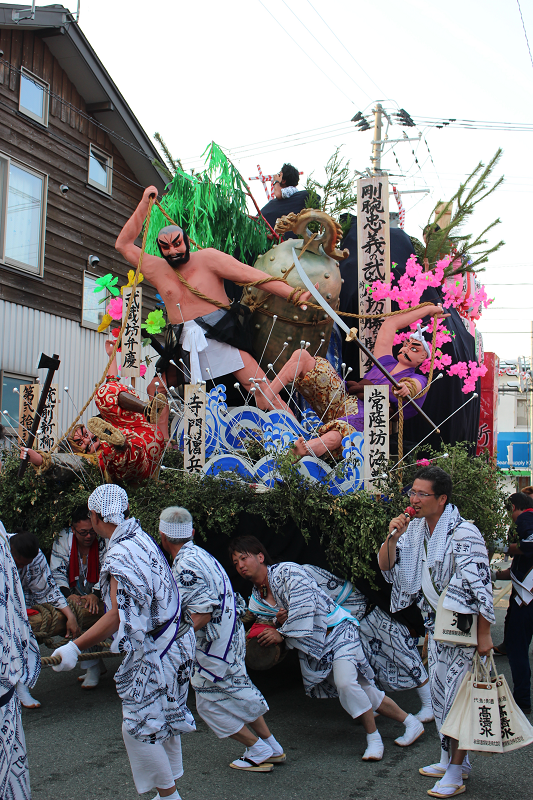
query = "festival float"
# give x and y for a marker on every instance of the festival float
(237, 460)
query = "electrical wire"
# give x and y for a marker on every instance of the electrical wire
(306, 54)
(325, 49)
(525, 33)
(345, 48)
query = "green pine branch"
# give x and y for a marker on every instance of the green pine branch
(471, 251)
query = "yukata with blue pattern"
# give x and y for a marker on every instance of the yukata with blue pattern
(226, 698)
(20, 661)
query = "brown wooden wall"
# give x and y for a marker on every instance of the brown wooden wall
(84, 221)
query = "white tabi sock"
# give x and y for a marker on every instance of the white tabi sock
(374, 747)
(454, 774)
(413, 729)
(426, 712)
(25, 697)
(175, 796)
(274, 744)
(259, 752)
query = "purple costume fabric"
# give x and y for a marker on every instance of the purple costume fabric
(377, 377)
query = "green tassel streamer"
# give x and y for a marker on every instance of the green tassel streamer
(211, 206)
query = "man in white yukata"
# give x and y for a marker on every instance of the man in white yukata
(327, 639)
(77, 554)
(145, 614)
(388, 644)
(456, 557)
(20, 664)
(226, 698)
(38, 586)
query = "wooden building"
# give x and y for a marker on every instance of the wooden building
(73, 164)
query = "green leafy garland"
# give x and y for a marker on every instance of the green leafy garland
(350, 527)
(212, 207)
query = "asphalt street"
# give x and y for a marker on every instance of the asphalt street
(76, 751)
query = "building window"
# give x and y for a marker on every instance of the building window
(100, 170)
(93, 309)
(22, 215)
(521, 412)
(34, 97)
(9, 400)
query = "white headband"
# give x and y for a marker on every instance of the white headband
(418, 336)
(176, 530)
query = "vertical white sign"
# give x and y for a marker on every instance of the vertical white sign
(28, 402)
(373, 255)
(194, 427)
(376, 445)
(130, 346)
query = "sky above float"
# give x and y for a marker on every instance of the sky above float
(274, 81)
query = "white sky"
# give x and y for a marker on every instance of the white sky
(234, 73)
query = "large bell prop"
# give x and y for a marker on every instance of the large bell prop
(321, 262)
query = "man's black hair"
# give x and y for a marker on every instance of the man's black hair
(440, 480)
(80, 514)
(25, 545)
(521, 501)
(291, 175)
(249, 544)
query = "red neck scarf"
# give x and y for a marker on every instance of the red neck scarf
(93, 562)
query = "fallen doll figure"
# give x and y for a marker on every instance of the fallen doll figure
(127, 441)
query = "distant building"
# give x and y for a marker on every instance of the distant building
(73, 163)
(514, 423)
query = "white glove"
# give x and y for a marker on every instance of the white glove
(69, 657)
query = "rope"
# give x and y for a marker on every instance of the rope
(49, 619)
(53, 661)
(124, 323)
(281, 280)
(400, 437)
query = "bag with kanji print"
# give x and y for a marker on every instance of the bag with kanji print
(516, 731)
(483, 733)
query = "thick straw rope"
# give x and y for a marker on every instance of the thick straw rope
(53, 661)
(293, 297)
(123, 326)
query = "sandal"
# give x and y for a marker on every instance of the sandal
(437, 771)
(439, 790)
(250, 766)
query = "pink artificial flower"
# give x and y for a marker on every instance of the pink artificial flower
(423, 462)
(143, 370)
(114, 308)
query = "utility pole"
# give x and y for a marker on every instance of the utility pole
(376, 143)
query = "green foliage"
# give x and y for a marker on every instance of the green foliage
(212, 207)
(350, 527)
(338, 190)
(466, 247)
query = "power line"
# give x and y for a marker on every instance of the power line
(325, 49)
(525, 32)
(306, 54)
(345, 48)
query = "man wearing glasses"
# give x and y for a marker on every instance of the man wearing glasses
(456, 557)
(75, 564)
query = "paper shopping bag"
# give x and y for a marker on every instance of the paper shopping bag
(516, 730)
(485, 729)
(454, 721)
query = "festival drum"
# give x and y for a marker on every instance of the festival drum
(261, 658)
(321, 263)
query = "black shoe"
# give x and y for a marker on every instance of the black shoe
(500, 649)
